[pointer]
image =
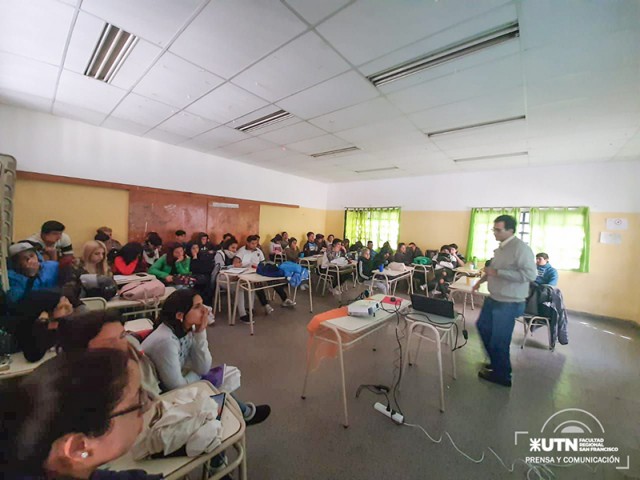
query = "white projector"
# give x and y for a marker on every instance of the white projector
(363, 308)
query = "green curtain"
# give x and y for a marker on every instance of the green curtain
(481, 242)
(376, 224)
(564, 234)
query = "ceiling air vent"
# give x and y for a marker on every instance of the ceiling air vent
(491, 157)
(339, 151)
(465, 128)
(262, 122)
(371, 170)
(113, 47)
(471, 45)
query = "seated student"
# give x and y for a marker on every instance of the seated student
(206, 247)
(181, 237)
(346, 245)
(382, 258)
(402, 255)
(151, 248)
(53, 243)
(414, 251)
(201, 268)
(311, 247)
(322, 243)
(330, 238)
(105, 329)
(456, 257)
(292, 252)
(29, 272)
(387, 246)
(225, 237)
(547, 275)
(36, 317)
(110, 242)
(129, 260)
(284, 243)
(171, 264)
(72, 415)
(93, 260)
(366, 267)
(179, 349)
(335, 255)
(275, 246)
(444, 259)
(370, 247)
(251, 256)
(357, 247)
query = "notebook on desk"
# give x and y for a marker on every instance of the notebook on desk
(435, 306)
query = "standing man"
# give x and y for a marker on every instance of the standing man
(512, 269)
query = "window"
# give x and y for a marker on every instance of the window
(376, 224)
(561, 232)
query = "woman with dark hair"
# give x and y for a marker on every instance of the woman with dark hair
(152, 246)
(129, 260)
(64, 420)
(172, 263)
(275, 246)
(179, 344)
(206, 247)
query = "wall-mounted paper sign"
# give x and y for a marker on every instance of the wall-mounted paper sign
(610, 238)
(617, 224)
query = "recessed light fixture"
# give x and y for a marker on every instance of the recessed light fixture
(112, 49)
(491, 157)
(262, 122)
(476, 125)
(471, 45)
(224, 205)
(338, 151)
(385, 169)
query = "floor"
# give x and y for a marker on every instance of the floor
(304, 439)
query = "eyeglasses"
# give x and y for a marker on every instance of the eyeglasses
(498, 230)
(145, 401)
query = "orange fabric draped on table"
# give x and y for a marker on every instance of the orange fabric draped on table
(323, 349)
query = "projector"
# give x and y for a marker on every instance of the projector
(363, 308)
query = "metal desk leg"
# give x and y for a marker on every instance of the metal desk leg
(232, 318)
(310, 294)
(243, 465)
(229, 297)
(306, 373)
(249, 288)
(439, 353)
(344, 387)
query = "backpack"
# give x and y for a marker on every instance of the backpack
(153, 289)
(98, 286)
(422, 261)
(269, 269)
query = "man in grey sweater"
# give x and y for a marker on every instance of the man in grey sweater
(512, 268)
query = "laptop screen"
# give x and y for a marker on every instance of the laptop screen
(434, 306)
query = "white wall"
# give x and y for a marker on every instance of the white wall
(604, 187)
(46, 144)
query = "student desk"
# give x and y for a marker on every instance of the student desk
(466, 271)
(465, 285)
(310, 262)
(19, 365)
(227, 279)
(339, 269)
(344, 332)
(391, 278)
(253, 282)
(174, 468)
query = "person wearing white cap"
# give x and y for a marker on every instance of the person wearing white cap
(29, 272)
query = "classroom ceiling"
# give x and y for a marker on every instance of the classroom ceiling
(201, 68)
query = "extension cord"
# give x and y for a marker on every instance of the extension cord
(393, 415)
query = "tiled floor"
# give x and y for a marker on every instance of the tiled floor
(303, 439)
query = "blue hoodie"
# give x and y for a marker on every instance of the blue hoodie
(47, 277)
(547, 275)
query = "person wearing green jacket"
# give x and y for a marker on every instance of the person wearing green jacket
(172, 263)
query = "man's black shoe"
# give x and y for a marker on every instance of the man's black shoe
(489, 376)
(261, 413)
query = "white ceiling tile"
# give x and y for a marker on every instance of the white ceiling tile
(488, 135)
(504, 104)
(165, 137)
(142, 110)
(187, 125)
(481, 80)
(293, 133)
(364, 113)
(85, 36)
(140, 59)
(368, 29)
(89, 93)
(176, 82)
(339, 92)
(318, 144)
(314, 11)
(229, 35)
(393, 133)
(226, 103)
(77, 112)
(155, 20)
(215, 138)
(494, 163)
(36, 29)
(245, 147)
(508, 146)
(125, 126)
(25, 100)
(27, 76)
(271, 154)
(304, 62)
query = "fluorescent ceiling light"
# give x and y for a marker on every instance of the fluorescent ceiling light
(385, 169)
(476, 125)
(339, 151)
(224, 205)
(261, 122)
(113, 48)
(491, 157)
(471, 45)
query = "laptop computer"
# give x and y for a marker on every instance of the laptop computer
(434, 306)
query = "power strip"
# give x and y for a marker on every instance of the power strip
(392, 414)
